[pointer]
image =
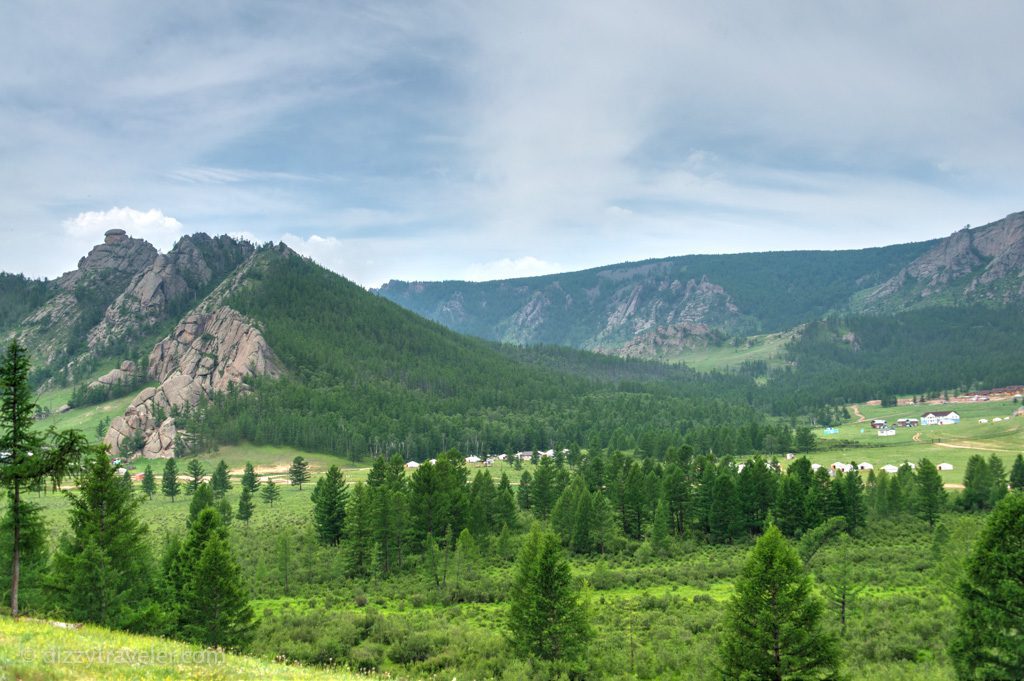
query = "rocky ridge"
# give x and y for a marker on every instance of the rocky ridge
(982, 263)
(211, 349)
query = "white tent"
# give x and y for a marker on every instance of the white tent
(945, 466)
(889, 468)
(412, 464)
(865, 466)
(472, 459)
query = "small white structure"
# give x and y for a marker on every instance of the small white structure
(982, 420)
(945, 466)
(840, 467)
(887, 432)
(996, 420)
(890, 469)
(790, 456)
(912, 466)
(865, 466)
(815, 466)
(550, 453)
(502, 457)
(940, 418)
(433, 462)
(411, 465)
(472, 459)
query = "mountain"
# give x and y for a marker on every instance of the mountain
(656, 308)
(121, 292)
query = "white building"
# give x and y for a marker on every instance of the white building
(865, 466)
(945, 466)
(890, 469)
(412, 465)
(940, 418)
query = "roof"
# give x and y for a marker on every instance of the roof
(939, 413)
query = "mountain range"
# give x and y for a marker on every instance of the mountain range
(220, 340)
(657, 308)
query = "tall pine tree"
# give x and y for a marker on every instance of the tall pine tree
(330, 499)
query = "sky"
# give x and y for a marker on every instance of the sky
(486, 140)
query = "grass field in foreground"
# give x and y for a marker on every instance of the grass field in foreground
(34, 650)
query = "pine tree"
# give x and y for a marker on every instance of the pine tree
(270, 493)
(359, 532)
(659, 528)
(1017, 474)
(245, 506)
(525, 487)
(29, 456)
(997, 474)
(988, 643)
(854, 508)
(773, 627)
(169, 483)
(126, 480)
(214, 610)
(930, 497)
(149, 482)
(546, 616)
(330, 498)
(249, 479)
(195, 476)
(203, 498)
(298, 472)
(505, 503)
(978, 485)
(725, 521)
(220, 481)
(104, 565)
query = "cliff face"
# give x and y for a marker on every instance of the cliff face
(986, 263)
(170, 283)
(82, 295)
(206, 353)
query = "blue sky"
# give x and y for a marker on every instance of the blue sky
(452, 140)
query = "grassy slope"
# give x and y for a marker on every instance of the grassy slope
(31, 650)
(766, 348)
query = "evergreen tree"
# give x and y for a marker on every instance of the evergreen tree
(438, 498)
(543, 491)
(390, 511)
(169, 482)
(1017, 474)
(195, 476)
(854, 507)
(978, 485)
(659, 528)
(546, 616)
(214, 610)
(220, 481)
(203, 498)
(245, 506)
(149, 482)
(773, 628)
(103, 568)
(505, 503)
(29, 456)
(126, 480)
(481, 520)
(330, 498)
(997, 474)
(270, 493)
(725, 522)
(930, 497)
(298, 472)
(359, 532)
(789, 506)
(987, 643)
(525, 487)
(249, 479)
(602, 522)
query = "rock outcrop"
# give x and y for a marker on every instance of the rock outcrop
(125, 373)
(82, 293)
(207, 352)
(982, 263)
(170, 282)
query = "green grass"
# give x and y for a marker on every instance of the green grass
(767, 348)
(34, 650)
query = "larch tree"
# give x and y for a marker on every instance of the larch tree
(27, 456)
(547, 617)
(169, 482)
(298, 472)
(249, 479)
(195, 476)
(930, 498)
(1017, 474)
(773, 629)
(988, 644)
(270, 493)
(220, 481)
(149, 482)
(245, 506)
(330, 499)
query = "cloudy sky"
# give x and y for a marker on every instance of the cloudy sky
(443, 140)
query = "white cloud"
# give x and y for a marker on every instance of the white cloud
(511, 268)
(152, 225)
